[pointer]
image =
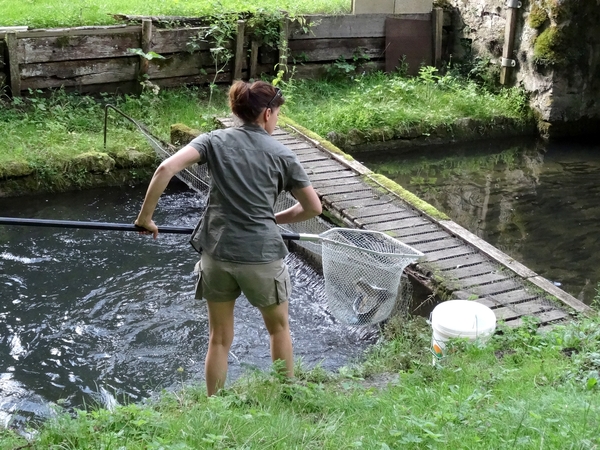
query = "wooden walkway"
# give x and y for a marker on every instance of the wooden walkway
(457, 262)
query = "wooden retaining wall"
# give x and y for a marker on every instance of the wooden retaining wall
(98, 59)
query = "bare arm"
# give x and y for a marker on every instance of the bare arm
(308, 206)
(163, 174)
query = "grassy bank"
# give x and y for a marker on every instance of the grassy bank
(41, 135)
(72, 13)
(522, 390)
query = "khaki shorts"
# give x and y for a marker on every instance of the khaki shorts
(222, 281)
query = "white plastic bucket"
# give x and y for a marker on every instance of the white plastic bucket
(460, 319)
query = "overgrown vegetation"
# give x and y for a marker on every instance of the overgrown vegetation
(522, 390)
(71, 13)
(395, 105)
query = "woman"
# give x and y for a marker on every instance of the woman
(242, 247)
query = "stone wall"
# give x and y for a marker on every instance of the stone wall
(557, 53)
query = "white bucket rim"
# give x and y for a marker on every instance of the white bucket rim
(448, 318)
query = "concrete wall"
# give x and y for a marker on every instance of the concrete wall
(557, 53)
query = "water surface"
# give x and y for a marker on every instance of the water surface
(103, 316)
(537, 202)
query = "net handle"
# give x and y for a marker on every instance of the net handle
(319, 237)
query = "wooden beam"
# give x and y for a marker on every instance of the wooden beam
(509, 41)
(437, 20)
(146, 47)
(284, 34)
(253, 59)
(13, 64)
(239, 56)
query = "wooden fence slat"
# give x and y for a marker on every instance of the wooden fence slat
(183, 64)
(239, 55)
(331, 49)
(77, 73)
(13, 64)
(76, 47)
(177, 40)
(146, 47)
(2, 64)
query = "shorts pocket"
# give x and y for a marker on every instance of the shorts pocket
(199, 290)
(283, 286)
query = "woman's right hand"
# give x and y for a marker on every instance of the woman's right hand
(150, 226)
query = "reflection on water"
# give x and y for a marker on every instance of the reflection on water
(537, 202)
(109, 316)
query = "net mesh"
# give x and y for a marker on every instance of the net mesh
(363, 272)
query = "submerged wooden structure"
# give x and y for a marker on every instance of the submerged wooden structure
(457, 263)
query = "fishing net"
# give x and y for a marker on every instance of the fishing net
(363, 271)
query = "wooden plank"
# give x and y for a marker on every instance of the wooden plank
(425, 237)
(470, 271)
(183, 64)
(297, 146)
(416, 231)
(253, 59)
(321, 185)
(367, 222)
(329, 163)
(146, 47)
(440, 244)
(544, 318)
(332, 49)
(561, 295)
(14, 72)
(76, 73)
(199, 79)
(409, 222)
(484, 279)
(437, 16)
(530, 308)
(516, 296)
(497, 288)
(312, 157)
(460, 261)
(76, 31)
(433, 256)
(3, 65)
(350, 196)
(357, 203)
(239, 57)
(165, 41)
(340, 189)
(487, 249)
(333, 176)
(77, 47)
(359, 211)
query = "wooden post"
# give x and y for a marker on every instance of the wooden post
(253, 59)
(283, 46)
(13, 64)
(507, 61)
(239, 50)
(146, 47)
(437, 22)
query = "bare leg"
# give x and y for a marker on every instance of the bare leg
(276, 321)
(220, 322)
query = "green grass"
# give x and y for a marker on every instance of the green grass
(377, 101)
(71, 13)
(43, 132)
(522, 390)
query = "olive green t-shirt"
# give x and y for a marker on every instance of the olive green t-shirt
(248, 169)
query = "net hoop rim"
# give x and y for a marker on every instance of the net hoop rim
(414, 256)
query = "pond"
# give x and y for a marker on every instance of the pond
(104, 316)
(538, 202)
